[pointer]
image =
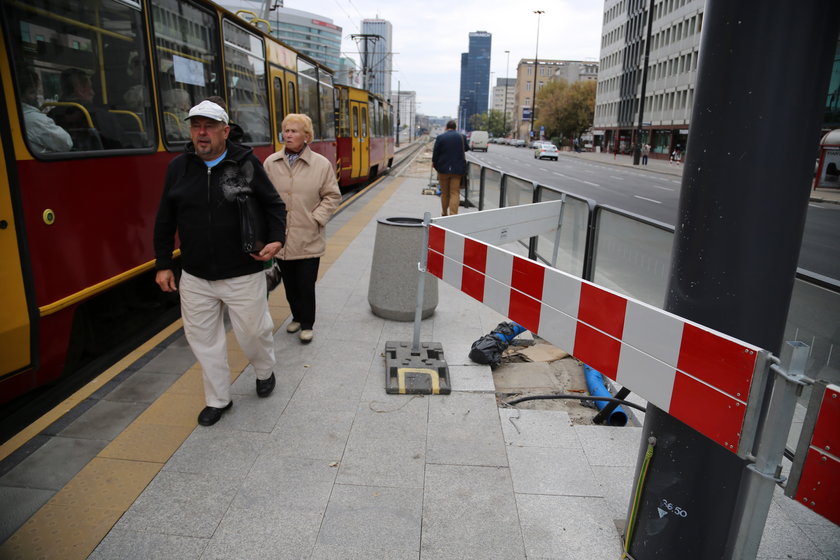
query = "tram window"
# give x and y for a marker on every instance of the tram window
(364, 122)
(186, 39)
(327, 106)
(247, 83)
(80, 66)
(355, 121)
(291, 97)
(279, 114)
(343, 113)
(308, 90)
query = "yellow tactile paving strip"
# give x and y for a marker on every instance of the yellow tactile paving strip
(78, 517)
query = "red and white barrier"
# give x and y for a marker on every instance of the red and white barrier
(818, 485)
(696, 374)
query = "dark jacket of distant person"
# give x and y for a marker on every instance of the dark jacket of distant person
(448, 154)
(207, 222)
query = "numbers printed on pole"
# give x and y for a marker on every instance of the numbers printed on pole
(666, 507)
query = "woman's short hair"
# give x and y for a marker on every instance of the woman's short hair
(303, 120)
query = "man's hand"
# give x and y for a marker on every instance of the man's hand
(166, 280)
(268, 251)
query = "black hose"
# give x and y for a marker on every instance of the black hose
(577, 397)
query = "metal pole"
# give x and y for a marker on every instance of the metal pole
(398, 113)
(421, 283)
(637, 152)
(536, 70)
(507, 74)
(740, 221)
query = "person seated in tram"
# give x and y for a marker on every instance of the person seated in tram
(77, 87)
(41, 131)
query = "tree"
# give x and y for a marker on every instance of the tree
(565, 109)
(494, 123)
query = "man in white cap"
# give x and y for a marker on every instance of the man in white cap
(199, 202)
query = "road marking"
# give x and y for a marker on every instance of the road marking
(543, 169)
(578, 180)
(648, 199)
(677, 182)
(614, 177)
(662, 188)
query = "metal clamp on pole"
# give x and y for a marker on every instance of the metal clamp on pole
(765, 473)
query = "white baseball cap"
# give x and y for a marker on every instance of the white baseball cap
(210, 110)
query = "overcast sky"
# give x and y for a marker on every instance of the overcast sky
(430, 35)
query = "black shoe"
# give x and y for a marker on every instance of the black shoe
(265, 386)
(210, 415)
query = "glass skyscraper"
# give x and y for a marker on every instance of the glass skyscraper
(475, 78)
(379, 61)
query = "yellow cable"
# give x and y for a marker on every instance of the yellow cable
(637, 497)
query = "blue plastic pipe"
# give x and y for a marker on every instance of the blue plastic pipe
(595, 386)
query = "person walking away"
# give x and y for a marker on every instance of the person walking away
(199, 203)
(307, 184)
(645, 153)
(449, 161)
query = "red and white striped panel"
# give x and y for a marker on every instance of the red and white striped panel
(697, 375)
(819, 485)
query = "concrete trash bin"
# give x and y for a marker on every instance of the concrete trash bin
(392, 292)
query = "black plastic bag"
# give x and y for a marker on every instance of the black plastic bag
(487, 350)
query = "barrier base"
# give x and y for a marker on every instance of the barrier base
(416, 373)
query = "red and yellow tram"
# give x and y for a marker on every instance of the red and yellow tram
(78, 197)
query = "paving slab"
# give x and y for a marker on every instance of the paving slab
(470, 512)
(568, 527)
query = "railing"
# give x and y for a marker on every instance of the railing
(631, 255)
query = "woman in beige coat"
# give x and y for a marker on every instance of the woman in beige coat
(306, 183)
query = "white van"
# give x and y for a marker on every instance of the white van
(478, 141)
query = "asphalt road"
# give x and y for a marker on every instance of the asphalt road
(655, 196)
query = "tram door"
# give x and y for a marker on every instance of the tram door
(361, 144)
(15, 351)
(285, 99)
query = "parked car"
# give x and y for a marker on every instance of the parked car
(546, 150)
(518, 142)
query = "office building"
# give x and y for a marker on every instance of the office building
(405, 111)
(672, 71)
(314, 35)
(528, 81)
(503, 93)
(475, 78)
(377, 55)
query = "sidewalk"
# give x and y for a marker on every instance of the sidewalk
(331, 467)
(831, 196)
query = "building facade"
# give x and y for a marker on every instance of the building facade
(475, 78)
(503, 93)
(314, 35)
(405, 114)
(530, 80)
(379, 56)
(671, 74)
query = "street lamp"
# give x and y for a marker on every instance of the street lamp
(637, 152)
(507, 73)
(536, 66)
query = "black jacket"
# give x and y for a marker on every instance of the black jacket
(448, 154)
(194, 204)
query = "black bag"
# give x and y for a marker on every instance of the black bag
(251, 222)
(272, 275)
(487, 350)
(236, 186)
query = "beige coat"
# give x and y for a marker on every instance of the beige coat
(311, 195)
